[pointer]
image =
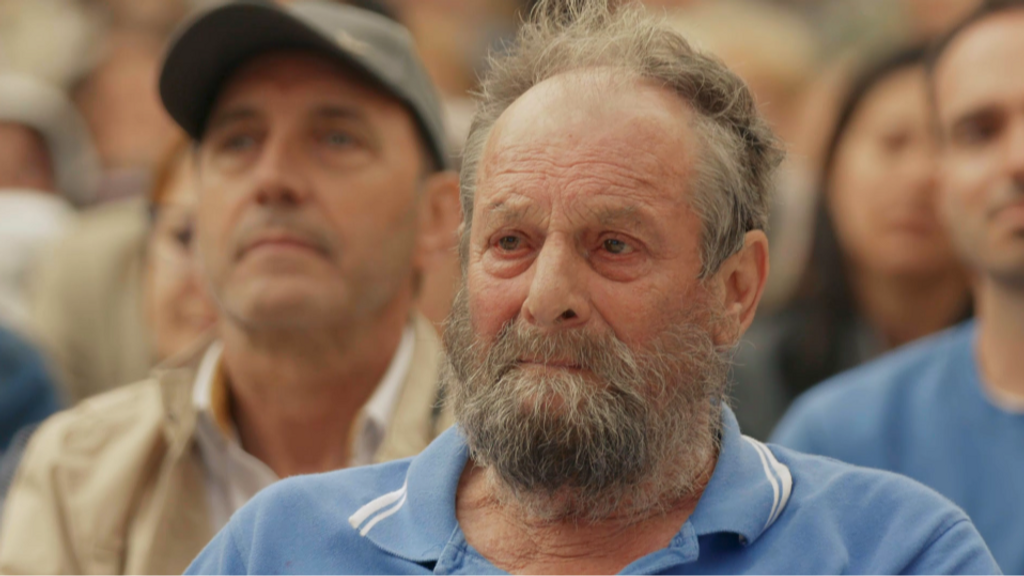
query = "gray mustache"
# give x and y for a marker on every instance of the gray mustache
(277, 222)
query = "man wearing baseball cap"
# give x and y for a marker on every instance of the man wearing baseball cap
(324, 195)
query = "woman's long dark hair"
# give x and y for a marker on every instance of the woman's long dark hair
(817, 343)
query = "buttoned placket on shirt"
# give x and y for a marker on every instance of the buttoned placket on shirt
(233, 476)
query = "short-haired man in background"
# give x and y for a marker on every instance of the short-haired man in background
(615, 189)
(323, 189)
(949, 411)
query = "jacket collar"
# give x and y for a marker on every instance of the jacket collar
(176, 377)
(745, 496)
(418, 415)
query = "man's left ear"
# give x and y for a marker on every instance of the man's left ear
(439, 217)
(740, 283)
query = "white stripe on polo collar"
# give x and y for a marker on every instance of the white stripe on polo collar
(781, 481)
(375, 506)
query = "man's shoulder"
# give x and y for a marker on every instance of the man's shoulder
(91, 428)
(310, 523)
(911, 362)
(876, 521)
(387, 518)
(864, 399)
(348, 488)
(830, 483)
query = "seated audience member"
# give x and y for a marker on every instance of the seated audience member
(47, 170)
(177, 310)
(615, 189)
(127, 276)
(882, 272)
(27, 393)
(949, 411)
(321, 181)
(27, 396)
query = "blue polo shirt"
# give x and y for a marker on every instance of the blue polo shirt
(765, 510)
(922, 411)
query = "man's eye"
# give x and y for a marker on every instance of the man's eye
(239, 143)
(895, 142)
(615, 246)
(183, 236)
(339, 139)
(510, 243)
(976, 132)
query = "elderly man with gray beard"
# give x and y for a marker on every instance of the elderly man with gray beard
(615, 188)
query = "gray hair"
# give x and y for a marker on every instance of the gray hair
(734, 179)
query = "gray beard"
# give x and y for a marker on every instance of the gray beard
(629, 435)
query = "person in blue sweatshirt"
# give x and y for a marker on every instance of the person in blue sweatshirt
(949, 411)
(615, 189)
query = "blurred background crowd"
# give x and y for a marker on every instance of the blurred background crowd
(97, 280)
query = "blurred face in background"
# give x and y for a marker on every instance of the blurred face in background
(176, 306)
(310, 191)
(882, 186)
(32, 215)
(119, 102)
(24, 160)
(979, 95)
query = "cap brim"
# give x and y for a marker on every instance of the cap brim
(208, 50)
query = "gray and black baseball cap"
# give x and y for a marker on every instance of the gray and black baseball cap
(213, 44)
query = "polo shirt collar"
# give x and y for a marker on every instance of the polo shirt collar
(748, 491)
(416, 521)
(745, 496)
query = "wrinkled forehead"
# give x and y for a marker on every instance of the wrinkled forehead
(981, 67)
(593, 127)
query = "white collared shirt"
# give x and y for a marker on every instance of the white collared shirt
(233, 476)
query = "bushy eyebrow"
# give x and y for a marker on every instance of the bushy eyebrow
(631, 218)
(332, 111)
(987, 112)
(244, 113)
(231, 116)
(502, 213)
(626, 216)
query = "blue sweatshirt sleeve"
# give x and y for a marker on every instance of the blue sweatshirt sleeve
(221, 556)
(958, 550)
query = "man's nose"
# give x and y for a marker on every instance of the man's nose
(279, 176)
(922, 170)
(558, 294)
(1014, 153)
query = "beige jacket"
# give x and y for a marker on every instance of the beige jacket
(116, 485)
(91, 285)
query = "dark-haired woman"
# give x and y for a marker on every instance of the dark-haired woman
(882, 271)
